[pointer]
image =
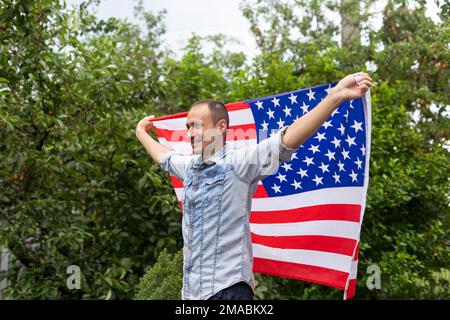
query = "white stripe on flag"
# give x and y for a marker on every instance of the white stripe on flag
(341, 195)
(186, 148)
(237, 118)
(322, 259)
(354, 270)
(330, 228)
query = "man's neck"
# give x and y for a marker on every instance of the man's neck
(211, 151)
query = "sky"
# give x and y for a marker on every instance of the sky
(204, 17)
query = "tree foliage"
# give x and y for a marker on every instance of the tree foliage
(76, 186)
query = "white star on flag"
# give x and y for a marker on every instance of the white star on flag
(330, 155)
(327, 124)
(324, 167)
(318, 180)
(354, 176)
(336, 142)
(259, 104)
(281, 177)
(308, 161)
(280, 123)
(276, 102)
(287, 111)
(350, 141)
(314, 149)
(357, 126)
(296, 185)
(276, 188)
(320, 136)
(336, 177)
(286, 166)
(303, 173)
(304, 107)
(264, 125)
(310, 95)
(293, 98)
(345, 154)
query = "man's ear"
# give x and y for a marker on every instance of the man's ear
(222, 125)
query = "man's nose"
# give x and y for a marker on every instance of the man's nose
(192, 133)
(189, 133)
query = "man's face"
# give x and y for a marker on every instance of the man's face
(201, 129)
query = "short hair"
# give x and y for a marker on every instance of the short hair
(217, 109)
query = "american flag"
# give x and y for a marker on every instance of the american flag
(306, 218)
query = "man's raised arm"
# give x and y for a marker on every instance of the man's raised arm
(170, 160)
(304, 127)
(153, 147)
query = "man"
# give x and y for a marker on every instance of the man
(218, 187)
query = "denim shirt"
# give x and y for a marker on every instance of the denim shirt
(216, 199)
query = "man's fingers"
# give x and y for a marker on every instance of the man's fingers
(366, 77)
(365, 82)
(362, 75)
(364, 88)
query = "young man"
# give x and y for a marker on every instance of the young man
(218, 187)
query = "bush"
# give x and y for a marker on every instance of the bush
(163, 281)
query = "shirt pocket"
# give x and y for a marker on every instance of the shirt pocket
(213, 188)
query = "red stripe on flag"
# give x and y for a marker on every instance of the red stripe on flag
(171, 135)
(318, 243)
(240, 105)
(177, 183)
(234, 106)
(241, 132)
(355, 258)
(344, 212)
(260, 192)
(324, 276)
(351, 291)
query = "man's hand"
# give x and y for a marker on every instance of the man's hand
(353, 86)
(153, 148)
(145, 125)
(346, 89)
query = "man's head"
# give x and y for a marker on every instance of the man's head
(207, 122)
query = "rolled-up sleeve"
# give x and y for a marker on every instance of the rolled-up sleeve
(259, 161)
(175, 164)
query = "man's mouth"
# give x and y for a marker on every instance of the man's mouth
(195, 143)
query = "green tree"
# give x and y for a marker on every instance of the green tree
(75, 185)
(407, 216)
